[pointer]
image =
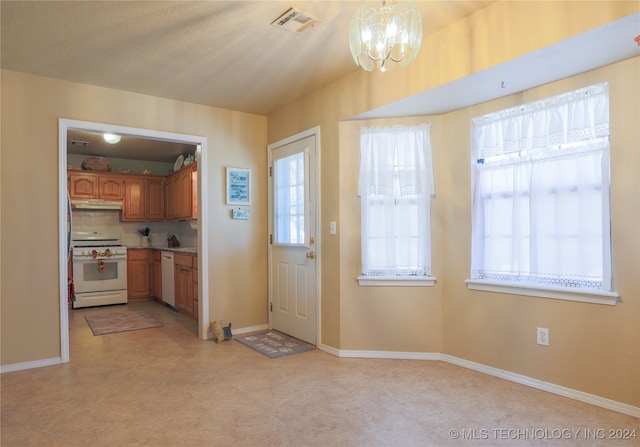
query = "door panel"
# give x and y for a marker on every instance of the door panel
(293, 278)
(302, 292)
(282, 287)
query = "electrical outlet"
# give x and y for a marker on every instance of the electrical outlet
(543, 336)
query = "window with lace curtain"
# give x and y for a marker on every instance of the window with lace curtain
(540, 217)
(395, 187)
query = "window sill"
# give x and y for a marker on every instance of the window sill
(397, 281)
(582, 295)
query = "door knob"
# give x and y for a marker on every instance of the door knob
(311, 255)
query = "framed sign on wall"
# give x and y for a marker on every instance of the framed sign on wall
(238, 186)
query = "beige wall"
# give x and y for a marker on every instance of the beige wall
(406, 319)
(594, 348)
(31, 107)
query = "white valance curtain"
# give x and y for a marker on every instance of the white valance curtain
(398, 151)
(395, 186)
(541, 192)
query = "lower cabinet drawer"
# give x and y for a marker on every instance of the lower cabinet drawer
(183, 260)
(138, 255)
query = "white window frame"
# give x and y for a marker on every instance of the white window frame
(596, 296)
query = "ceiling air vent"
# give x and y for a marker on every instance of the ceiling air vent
(295, 21)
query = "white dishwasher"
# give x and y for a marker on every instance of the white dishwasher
(168, 278)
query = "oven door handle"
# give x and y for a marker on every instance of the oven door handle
(101, 258)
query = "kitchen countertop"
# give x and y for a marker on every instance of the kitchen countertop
(192, 250)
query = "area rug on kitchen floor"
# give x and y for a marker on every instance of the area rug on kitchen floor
(274, 344)
(121, 322)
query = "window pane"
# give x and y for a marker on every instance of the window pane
(289, 196)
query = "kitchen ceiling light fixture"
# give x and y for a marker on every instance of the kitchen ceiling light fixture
(111, 138)
(386, 33)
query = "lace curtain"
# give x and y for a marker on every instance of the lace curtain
(395, 186)
(541, 192)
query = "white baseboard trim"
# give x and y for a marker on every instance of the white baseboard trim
(546, 386)
(389, 355)
(246, 330)
(496, 372)
(329, 349)
(30, 365)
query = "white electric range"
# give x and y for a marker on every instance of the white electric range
(99, 268)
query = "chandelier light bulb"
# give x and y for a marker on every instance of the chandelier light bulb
(386, 33)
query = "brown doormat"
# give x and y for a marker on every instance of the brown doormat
(274, 344)
(121, 322)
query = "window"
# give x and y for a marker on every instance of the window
(289, 196)
(540, 176)
(395, 187)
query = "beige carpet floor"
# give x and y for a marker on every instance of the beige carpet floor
(165, 387)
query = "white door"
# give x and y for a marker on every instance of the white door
(293, 258)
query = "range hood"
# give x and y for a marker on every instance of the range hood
(94, 204)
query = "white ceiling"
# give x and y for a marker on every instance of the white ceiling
(217, 53)
(226, 54)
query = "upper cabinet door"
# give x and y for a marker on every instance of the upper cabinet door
(181, 194)
(111, 188)
(134, 199)
(82, 186)
(154, 198)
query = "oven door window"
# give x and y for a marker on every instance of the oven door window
(99, 270)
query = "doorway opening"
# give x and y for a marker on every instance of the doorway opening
(64, 127)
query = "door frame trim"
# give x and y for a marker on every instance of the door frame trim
(314, 131)
(203, 281)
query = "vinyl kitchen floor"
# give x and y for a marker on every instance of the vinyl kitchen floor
(165, 387)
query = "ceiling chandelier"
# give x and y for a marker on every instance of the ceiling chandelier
(386, 33)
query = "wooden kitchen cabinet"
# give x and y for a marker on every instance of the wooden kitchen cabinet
(184, 290)
(171, 212)
(82, 185)
(110, 187)
(134, 199)
(154, 195)
(139, 273)
(182, 194)
(143, 198)
(156, 274)
(85, 185)
(186, 301)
